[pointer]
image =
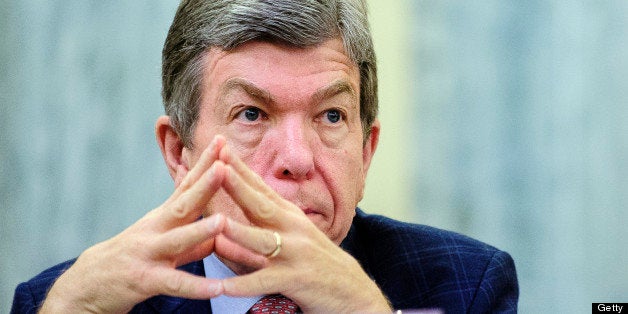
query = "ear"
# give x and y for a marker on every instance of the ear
(172, 149)
(370, 145)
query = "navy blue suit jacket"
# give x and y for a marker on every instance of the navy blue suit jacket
(416, 266)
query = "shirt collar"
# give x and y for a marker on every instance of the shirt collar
(216, 269)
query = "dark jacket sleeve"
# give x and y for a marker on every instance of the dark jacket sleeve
(30, 295)
(24, 301)
(498, 291)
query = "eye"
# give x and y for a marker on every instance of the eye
(250, 114)
(333, 115)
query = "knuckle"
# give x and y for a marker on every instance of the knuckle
(263, 283)
(163, 246)
(265, 210)
(178, 210)
(176, 247)
(185, 184)
(140, 280)
(269, 243)
(258, 181)
(173, 284)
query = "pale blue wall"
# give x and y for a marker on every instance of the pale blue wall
(519, 138)
(522, 139)
(79, 94)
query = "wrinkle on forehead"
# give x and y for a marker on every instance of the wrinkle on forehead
(337, 87)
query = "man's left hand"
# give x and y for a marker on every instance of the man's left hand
(310, 269)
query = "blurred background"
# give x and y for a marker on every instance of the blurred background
(503, 120)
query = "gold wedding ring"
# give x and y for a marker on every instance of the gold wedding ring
(277, 247)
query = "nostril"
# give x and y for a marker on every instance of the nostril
(286, 172)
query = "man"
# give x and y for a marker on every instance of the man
(270, 130)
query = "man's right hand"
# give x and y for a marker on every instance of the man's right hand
(140, 262)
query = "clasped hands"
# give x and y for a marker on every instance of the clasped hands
(140, 262)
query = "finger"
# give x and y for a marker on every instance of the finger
(197, 253)
(182, 241)
(190, 204)
(236, 253)
(258, 208)
(182, 284)
(249, 176)
(263, 281)
(208, 156)
(258, 240)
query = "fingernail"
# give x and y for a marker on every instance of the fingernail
(219, 137)
(217, 219)
(219, 141)
(212, 145)
(215, 288)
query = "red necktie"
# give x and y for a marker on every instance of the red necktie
(274, 304)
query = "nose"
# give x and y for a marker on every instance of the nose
(294, 158)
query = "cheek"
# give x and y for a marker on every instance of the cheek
(349, 170)
(346, 178)
(245, 138)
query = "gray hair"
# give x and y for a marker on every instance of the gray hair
(202, 24)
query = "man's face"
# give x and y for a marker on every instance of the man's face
(293, 116)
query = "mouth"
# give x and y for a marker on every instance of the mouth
(312, 213)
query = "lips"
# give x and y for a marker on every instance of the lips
(312, 206)
(309, 211)
(316, 217)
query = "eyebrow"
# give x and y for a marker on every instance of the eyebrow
(337, 87)
(248, 87)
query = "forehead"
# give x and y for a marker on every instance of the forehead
(278, 68)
